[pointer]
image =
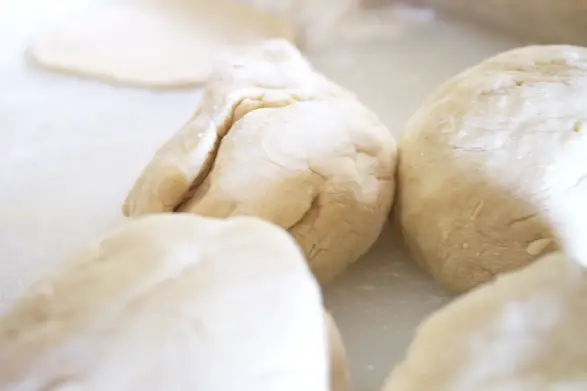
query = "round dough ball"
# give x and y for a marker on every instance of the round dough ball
(172, 302)
(493, 164)
(275, 140)
(527, 331)
(152, 43)
(339, 373)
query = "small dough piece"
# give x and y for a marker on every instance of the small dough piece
(339, 372)
(153, 43)
(493, 165)
(172, 302)
(274, 139)
(526, 331)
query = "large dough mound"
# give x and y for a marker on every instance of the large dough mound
(527, 331)
(276, 140)
(172, 302)
(494, 163)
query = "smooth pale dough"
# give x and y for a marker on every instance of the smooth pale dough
(172, 302)
(274, 139)
(152, 43)
(493, 165)
(527, 331)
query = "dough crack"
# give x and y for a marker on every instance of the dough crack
(234, 116)
(580, 181)
(521, 219)
(287, 155)
(307, 215)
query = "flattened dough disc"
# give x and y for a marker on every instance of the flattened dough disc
(152, 43)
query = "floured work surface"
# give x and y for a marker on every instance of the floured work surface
(153, 43)
(71, 148)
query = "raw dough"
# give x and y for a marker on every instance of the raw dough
(494, 163)
(276, 140)
(339, 374)
(152, 43)
(172, 302)
(527, 331)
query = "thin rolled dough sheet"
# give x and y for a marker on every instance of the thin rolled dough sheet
(152, 43)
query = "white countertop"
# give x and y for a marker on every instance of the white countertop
(71, 148)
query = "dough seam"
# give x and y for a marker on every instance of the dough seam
(209, 165)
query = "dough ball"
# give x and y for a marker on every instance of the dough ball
(276, 140)
(339, 373)
(493, 165)
(527, 331)
(152, 43)
(172, 302)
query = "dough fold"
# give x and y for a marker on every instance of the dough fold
(274, 139)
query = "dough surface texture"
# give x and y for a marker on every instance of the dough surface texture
(152, 43)
(276, 140)
(526, 331)
(492, 166)
(172, 302)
